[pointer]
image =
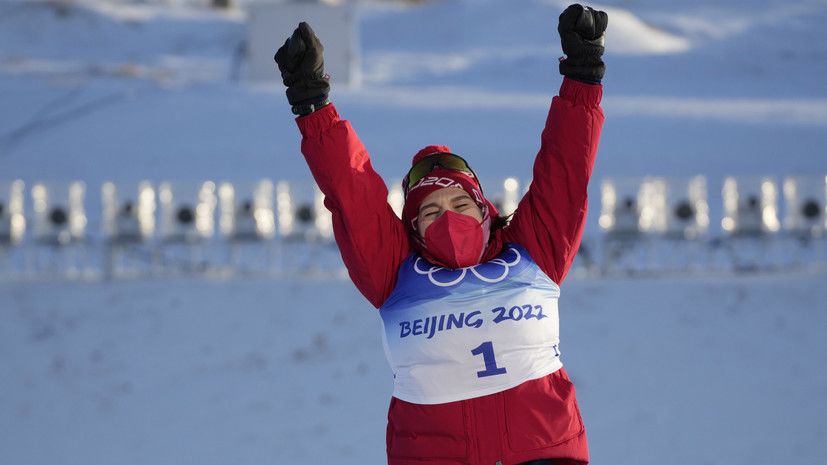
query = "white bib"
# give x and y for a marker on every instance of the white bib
(457, 334)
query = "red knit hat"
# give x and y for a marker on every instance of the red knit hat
(437, 179)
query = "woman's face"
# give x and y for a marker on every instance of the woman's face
(442, 200)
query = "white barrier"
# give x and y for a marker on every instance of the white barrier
(650, 225)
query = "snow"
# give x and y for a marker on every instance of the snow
(630, 35)
(701, 369)
(718, 370)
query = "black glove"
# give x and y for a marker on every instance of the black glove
(301, 62)
(581, 34)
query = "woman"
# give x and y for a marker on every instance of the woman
(468, 300)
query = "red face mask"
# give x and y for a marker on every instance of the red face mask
(455, 240)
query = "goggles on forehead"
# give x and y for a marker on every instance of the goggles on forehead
(428, 163)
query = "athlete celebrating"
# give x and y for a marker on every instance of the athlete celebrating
(468, 299)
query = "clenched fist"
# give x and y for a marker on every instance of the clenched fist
(582, 35)
(301, 63)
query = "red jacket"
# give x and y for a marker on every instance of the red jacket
(539, 418)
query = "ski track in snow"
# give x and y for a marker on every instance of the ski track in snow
(783, 111)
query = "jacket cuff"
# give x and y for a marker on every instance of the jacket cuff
(319, 121)
(580, 93)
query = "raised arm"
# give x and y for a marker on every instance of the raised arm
(370, 236)
(550, 218)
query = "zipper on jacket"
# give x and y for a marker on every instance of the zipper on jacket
(499, 462)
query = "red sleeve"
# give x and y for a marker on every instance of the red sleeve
(370, 236)
(550, 218)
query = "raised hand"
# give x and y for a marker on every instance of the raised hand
(582, 37)
(301, 63)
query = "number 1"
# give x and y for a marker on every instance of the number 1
(486, 349)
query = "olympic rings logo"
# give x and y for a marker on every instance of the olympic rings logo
(435, 272)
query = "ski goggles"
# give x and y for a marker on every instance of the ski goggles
(445, 160)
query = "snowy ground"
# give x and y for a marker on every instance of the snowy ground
(717, 370)
(700, 370)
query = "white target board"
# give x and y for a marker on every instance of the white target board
(270, 24)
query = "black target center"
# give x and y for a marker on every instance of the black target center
(58, 216)
(811, 210)
(684, 211)
(185, 215)
(305, 214)
(247, 207)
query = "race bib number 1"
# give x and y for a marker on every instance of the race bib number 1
(486, 349)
